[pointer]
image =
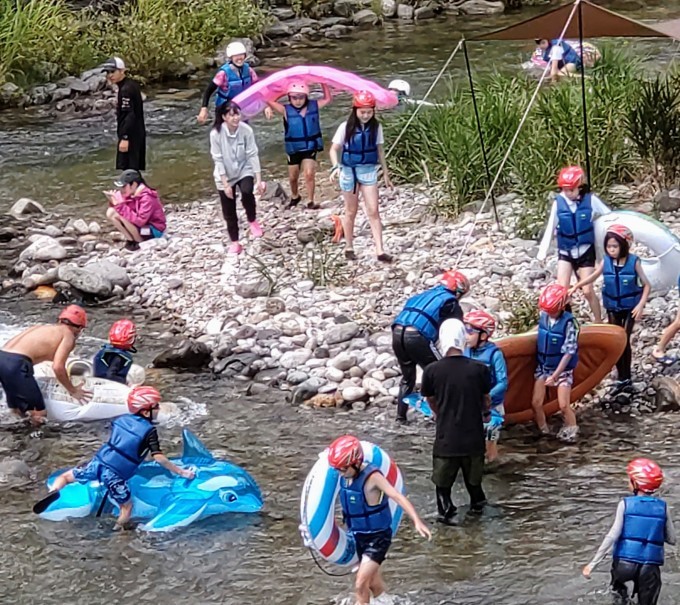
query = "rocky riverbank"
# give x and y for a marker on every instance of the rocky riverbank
(291, 312)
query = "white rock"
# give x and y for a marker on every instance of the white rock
(372, 385)
(26, 206)
(81, 227)
(214, 326)
(44, 248)
(353, 393)
(294, 359)
(344, 361)
(335, 374)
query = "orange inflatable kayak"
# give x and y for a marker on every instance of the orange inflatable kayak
(600, 346)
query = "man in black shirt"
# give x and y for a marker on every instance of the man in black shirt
(457, 388)
(131, 150)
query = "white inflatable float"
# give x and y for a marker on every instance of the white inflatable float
(109, 398)
(661, 270)
(319, 528)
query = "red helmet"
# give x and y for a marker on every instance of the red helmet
(645, 474)
(621, 231)
(123, 334)
(143, 398)
(363, 99)
(553, 298)
(456, 282)
(570, 177)
(74, 315)
(345, 451)
(481, 320)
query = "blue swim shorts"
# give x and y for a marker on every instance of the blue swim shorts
(117, 487)
(18, 382)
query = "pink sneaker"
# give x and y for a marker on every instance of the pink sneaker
(256, 229)
(235, 248)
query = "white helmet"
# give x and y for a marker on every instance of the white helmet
(401, 86)
(236, 48)
(452, 335)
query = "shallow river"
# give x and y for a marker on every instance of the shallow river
(550, 505)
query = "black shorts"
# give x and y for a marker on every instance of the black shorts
(21, 389)
(296, 158)
(585, 260)
(374, 545)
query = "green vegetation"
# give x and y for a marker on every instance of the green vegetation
(624, 132)
(44, 39)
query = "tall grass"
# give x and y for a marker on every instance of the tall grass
(153, 36)
(446, 141)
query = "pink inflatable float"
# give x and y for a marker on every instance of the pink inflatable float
(588, 53)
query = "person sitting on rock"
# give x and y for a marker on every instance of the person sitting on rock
(415, 330)
(231, 79)
(659, 352)
(135, 210)
(302, 137)
(113, 361)
(133, 436)
(35, 345)
(480, 326)
(557, 356)
(562, 56)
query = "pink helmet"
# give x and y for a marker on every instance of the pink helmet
(553, 298)
(570, 177)
(143, 398)
(480, 320)
(74, 315)
(621, 231)
(344, 452)
(645, 474)
(298, 88)
(123, 334)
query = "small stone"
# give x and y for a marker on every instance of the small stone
(353, 393)
(405, 12)
(25, 206)
(343, 361)
(359, 406)
(81, 227)
(174, 282)
(214, 326)
(305, 286)
(44, 248)
(294, 359)
(253, 289)
(365, 17)
(356, 372)
(94, 228)
(342, 333)
(296, 377)
(322, 400)
(274, 306)
(335, 374)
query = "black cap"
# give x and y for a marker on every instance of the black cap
(127, 177)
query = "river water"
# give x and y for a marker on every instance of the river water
(550, 505)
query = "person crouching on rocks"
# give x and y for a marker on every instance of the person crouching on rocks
(641, 527)
(135, 210)
(237, 166)
(415, 330)
(133, 436)
(114, 360)
(356, 155)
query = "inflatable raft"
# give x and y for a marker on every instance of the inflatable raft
(164, 500)
(318, 525)
(589, 54)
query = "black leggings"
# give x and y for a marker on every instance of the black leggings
(411, 349)
(246, 187)
(626, 321)
(646, 580)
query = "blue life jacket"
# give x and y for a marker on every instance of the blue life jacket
(237, 82)
(551, 340)
(644, 530)
(487, 354)
(622, 290)
(359, 516)
(574, 228)
(302, 133)
(122, 452)
(361, 149)
(102, 361)
(421, 311)
(568, 56)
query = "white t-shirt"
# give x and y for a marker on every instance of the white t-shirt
(339, 136)
(556, 52)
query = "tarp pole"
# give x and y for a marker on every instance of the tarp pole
(583, 93)
(479, 131)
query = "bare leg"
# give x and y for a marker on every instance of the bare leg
(537, 400)
(589, 293)
(371, 201)
(365, 576)
(378, 584)
(293, 178)
(62, 481)
(124, 516)
(129, 230)
(564, 272)
(309, 170)
(491, 451)
(351, 206)
(666, 336)
(563, 396)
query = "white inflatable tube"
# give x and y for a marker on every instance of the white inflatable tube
(661, 270)
(319, 527)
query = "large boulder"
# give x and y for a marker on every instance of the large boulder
(346, 8)
(388, 8)
(116, 274)
(188, 354)
(26, 206)
(481, 7)
(44, 248)
(405, 12)
(86, 280)
(365, 17)
(668, 200)
(253, 289)
(342, 333)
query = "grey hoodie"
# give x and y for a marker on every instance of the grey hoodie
(235, 155)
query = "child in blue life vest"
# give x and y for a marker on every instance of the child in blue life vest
(480, 327)
(557, 356)
(364, 496)
(113, 361)
(133, 436)
(357, 155)
(641, 527)
(302, 137)
(571, 218)
(562, 56)
(624, 292)
(659, 352)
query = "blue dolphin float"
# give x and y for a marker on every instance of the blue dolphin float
(163, 499)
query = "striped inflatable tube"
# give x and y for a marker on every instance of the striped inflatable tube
(319, 528)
